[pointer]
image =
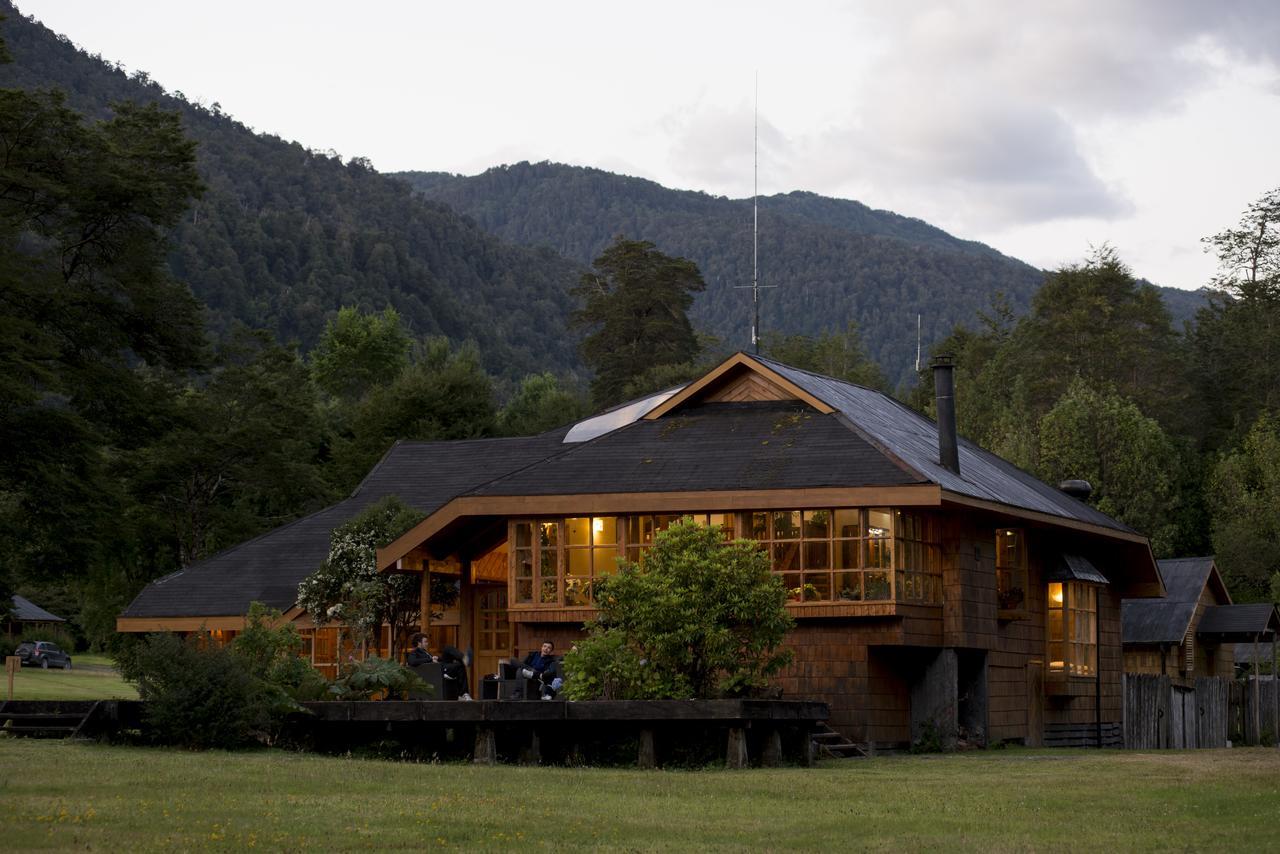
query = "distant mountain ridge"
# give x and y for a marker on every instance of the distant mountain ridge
(831, 260)
(284, 236)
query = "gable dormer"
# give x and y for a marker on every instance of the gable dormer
(740, 378)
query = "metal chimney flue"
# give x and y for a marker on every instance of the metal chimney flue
(1078, 489)
(944, 390)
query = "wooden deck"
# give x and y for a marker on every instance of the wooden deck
(646, 732)
(763, 732)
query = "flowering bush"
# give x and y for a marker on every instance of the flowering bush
(348, 589)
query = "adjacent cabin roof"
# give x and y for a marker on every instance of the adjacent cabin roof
(1165, 621)
(269, 567)
(1239, 623)
(26, 611)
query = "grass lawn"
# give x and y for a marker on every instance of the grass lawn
(62, 795)
(92, 678)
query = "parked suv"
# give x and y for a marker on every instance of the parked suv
(43, 654)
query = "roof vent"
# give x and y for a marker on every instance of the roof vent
(944, 390)
(1078, 489)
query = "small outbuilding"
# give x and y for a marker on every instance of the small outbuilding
(26, 616)
(1195, 630)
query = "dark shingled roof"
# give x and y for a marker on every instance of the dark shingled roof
(1151, 621)
(913, 438)
(1239, 622)
(268, 568)
(26, 611)
(713, 446)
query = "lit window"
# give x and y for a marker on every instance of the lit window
(1072, 616)
(850, 554)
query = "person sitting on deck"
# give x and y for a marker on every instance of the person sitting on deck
(452, 662)
(544, 666)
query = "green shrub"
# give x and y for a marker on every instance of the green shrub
(63, 638)
(606, 667)
(376, 677)
(698, 618)
(199, 697)
(271, 649)
(7, 646)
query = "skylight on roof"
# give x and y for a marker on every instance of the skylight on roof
(607, 422)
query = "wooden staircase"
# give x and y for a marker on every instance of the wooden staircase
(45, 718)
(829, 744)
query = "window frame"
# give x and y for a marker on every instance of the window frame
(1012, 575)
(1077, 647)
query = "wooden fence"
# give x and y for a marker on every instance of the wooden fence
(1215, 712)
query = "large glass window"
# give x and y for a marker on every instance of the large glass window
(823, 555)
(851, 555)
(1072, 617)
(1011, 569)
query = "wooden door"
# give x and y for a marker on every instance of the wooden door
(493, 637)
(1035, 704)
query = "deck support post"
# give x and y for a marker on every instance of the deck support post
(486, 752)
(648, 755)
(532, 753)
(771, 753)
(736, 751)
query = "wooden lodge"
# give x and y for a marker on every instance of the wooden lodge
(939, 592)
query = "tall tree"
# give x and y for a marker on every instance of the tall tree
(1094, 320)
(242, 456)
(1237, 336)
(1244, 494)
(635, 301)
(834, 354)
(1130, 462)
(88, 314)
(444, 394)
(540, 403)
(359, 351)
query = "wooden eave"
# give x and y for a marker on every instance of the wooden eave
(294, 615)
(179, 624)
(1143, 580)
(726, 371)
(914, 495)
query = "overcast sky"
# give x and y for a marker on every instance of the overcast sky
(1039, 128)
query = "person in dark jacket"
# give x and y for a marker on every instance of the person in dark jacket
(452, 663)
(544, 666)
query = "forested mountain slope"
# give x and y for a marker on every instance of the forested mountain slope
(831, 260)
(284, 236)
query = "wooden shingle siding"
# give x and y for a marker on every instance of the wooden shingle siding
(749, 386)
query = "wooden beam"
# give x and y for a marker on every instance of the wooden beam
(620, 503)
(949, 497)
(178, 624)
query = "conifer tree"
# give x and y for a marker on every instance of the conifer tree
(635, 302)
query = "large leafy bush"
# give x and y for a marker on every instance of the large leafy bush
(200, 695)
(697, 618)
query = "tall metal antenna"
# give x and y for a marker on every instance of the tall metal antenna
(755, 225)
(918, 343)
(755, 220)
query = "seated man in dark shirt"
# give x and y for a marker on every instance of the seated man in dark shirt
(544, 666)
(452, 663)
